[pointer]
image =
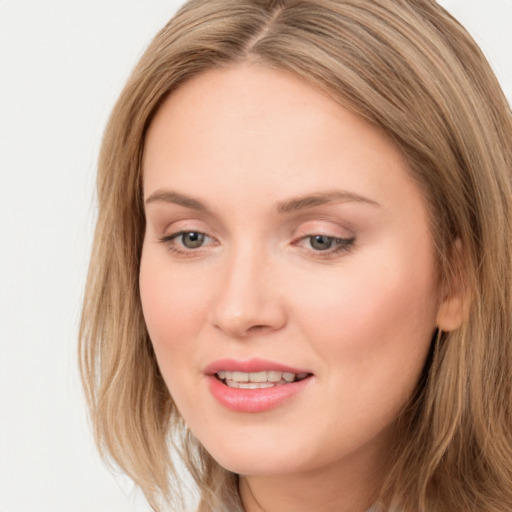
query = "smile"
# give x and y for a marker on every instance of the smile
(255, 385)
(258, 380)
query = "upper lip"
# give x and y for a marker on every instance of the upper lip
(249, 366)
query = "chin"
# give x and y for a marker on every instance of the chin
(249, 455)
(255, 464)
(267, 455)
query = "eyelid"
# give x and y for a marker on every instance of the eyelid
(342, 239)
(325, 227)
(341, 245)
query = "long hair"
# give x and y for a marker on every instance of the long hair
(408, 68)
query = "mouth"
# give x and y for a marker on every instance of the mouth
(255, 385)
(258, 380)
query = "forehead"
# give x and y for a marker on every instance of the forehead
(248, 129)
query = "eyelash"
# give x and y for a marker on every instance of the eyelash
(340, 244)
(168, 241)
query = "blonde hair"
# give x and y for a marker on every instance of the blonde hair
(409, 68)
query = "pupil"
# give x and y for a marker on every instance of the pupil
(321, 242)
(193, 240)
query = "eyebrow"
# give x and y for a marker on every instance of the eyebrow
(169, 196)
(321, 198)
(288, 206)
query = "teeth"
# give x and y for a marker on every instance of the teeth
(256, 376)
(255, 385)
(274, 376)
(263, 379)
(241, 377)
(249, 385)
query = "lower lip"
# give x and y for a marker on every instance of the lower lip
(254, 400)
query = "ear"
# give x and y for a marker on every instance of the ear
(453, 308)
(451, 313)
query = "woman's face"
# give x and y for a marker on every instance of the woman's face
(287, 277)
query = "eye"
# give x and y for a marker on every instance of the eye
(187, 242)
(191, 239)
(321, 242)
(325, 245)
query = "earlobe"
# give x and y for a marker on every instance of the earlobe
(451, 313)
(453, 309)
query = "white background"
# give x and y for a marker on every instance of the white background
(62, 64)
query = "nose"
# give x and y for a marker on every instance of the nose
(249, 299)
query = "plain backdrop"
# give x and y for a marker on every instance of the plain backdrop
(62, 65)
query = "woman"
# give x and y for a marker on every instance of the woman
(301, 274)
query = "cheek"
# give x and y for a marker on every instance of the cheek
(371, 335)
(376, 318)
(173, 306)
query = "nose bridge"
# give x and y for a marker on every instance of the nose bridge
(247, 298)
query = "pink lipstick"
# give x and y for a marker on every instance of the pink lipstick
(254, 385)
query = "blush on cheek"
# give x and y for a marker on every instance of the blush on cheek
(175, 308)
(376, 313)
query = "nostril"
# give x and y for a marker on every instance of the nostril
(258, 327)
